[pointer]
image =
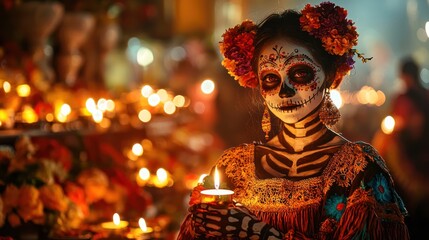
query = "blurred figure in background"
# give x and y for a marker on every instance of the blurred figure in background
(406, 149)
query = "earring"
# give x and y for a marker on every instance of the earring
(266, 121)
(329, 113)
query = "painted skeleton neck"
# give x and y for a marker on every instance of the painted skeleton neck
(300, 150)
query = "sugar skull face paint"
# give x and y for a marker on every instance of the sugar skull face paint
(290, 79)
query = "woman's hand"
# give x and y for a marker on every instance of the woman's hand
(229, 221)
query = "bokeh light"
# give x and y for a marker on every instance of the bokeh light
(23, 90)
(388, 125)
(179, 101)
(90, 105)
(146, 91)
(207, 86)
(336, 98)
(137, 149)
(427, 28)
(6, 86)
(144, 56)
(169, 107)
(144, 174)
(145, 115)
(154, 99)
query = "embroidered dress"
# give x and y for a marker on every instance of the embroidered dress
(353, 198)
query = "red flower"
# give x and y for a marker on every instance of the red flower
(52, 149)
(338, 35)
(328, 23)
(76, 194)
(237, 48)
(196, 195)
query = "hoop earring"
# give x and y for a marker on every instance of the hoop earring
(329, 113)
(266, 122)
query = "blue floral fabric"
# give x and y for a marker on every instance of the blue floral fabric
(381, 188)
(335, 206)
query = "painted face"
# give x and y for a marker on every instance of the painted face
(291, 80)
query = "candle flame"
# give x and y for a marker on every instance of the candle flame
(216, 178)
(142, 224)
(116, 219)
(162, 175)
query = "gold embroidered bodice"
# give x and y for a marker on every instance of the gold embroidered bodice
(281, 194)
(269, 198)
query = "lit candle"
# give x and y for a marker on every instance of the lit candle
(116, 226)
(216, 195)
(141, 233)
(145, 230)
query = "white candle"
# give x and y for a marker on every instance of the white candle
(116, 224)
(217, 194)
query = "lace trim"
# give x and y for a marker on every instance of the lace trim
(282, 195)
(344, 166)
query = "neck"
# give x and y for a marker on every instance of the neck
(302, 127)
(306, 134)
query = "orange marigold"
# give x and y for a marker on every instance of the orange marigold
(237, 48)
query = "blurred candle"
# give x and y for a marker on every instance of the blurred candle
(388, 125)
(146, 231)
(23, 90)
(142, 232)
(115, 224)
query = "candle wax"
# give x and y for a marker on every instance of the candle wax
(112, 225)
(216, 196)
(138, 233)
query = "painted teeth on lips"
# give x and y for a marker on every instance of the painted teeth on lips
(285, 107)
(288, 107)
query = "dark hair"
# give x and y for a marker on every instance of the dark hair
(409, 67)
(286, 25)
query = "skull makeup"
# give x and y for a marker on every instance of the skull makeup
(291, 80)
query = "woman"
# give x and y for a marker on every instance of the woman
(306, 182)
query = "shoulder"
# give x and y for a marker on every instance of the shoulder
(350, 163)
(378, 180)
(360, 168)
(372, 156)
(236, 155)
(236, 164)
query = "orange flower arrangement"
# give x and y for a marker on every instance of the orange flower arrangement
(338, 35)
(30, 186)
(328, 23)
(237, 48)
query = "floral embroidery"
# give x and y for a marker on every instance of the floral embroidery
(373, 155)
(346, 164)
(335, 206)
(381, 188)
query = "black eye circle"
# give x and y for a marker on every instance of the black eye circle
(301, 74)
(270, 81)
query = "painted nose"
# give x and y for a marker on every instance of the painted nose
(286, 91)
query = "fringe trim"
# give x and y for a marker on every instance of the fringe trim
(298, 220)
(361, 222)
(186, 231)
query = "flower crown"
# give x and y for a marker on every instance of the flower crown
(326, 22)
(237, 48)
